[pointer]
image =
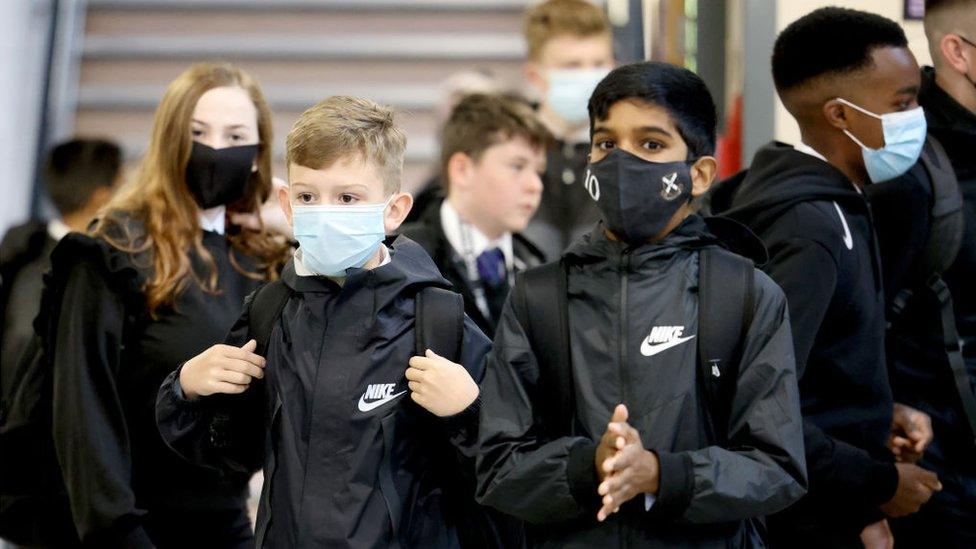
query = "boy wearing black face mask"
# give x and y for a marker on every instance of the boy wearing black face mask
(839, 71)
(679, 463)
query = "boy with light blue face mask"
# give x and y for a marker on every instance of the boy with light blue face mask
(570, 49)
(851, 83)
(359, 448)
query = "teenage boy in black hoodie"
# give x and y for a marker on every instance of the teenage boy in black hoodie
(674, 476)
(349, 458)
(838, 71)
(916, 234)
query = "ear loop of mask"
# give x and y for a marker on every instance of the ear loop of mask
(863, 110)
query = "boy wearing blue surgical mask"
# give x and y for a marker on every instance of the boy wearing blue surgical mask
(850, 81)
(570, 49)
(354, 444)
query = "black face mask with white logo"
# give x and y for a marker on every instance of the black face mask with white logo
(219, 176)
(637, 197)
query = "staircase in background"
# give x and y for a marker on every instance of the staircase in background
(395, 52)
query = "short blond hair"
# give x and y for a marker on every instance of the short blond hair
(552, 18)
(342, 126)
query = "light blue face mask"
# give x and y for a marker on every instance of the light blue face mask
(335, 238)
(569, 92)
(904, 136)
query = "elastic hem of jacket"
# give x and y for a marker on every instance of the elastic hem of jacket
(465, 419)
(882, 482)
(128, 533)
(676, 485)
(178, 395)
(581, 474)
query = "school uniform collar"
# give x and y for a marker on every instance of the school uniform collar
(467, 240)
(213, 219)
(57, 229)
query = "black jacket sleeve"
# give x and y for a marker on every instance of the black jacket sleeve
(763, 469)
(833, 466)
(90, 432)
(226, 432)
(520, 471)
(462, 428)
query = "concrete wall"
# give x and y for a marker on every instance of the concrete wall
(23, 33)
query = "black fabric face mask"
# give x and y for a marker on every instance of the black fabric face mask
(219, 176)
(637, 197)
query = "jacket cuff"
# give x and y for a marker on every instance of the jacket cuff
(464, 420)
(581, 474)
(881, 482)
(136, 539)
(177, 390)
(676, 484)
(126, 533)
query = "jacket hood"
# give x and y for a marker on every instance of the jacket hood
(942, 111)
(779, 178)
(409, 266)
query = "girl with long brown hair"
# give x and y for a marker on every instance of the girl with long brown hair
(161, 275)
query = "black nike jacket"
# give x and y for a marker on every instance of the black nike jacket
(621, 301)
(347, 455)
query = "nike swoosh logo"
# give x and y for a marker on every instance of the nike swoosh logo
(648, 349)
(848, 239)
(369, 406)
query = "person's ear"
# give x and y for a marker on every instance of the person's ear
(703, 173)
(397, 211)
(285, 203)
(836, 114)
(951, 48)
(535, 75)
(460, 169)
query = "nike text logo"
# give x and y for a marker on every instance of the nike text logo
(378, 394)
(663, 338)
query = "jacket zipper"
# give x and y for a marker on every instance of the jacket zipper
(624, 376)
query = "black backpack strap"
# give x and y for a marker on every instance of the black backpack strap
(541, 305)
(725, 310)
(267, 302)
(953, 349)
(439, 318)
(946, 218)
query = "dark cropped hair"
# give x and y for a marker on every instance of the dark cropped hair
(830, 41)
(679, 91)
(934, 6)
(77, 168)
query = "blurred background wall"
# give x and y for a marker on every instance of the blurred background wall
(99, 67)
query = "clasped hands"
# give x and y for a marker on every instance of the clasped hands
(625, 469)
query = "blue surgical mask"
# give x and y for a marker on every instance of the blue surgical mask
(904, 136)
(333, 239)
(569, 92)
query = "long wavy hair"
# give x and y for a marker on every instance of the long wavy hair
(167, 216)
